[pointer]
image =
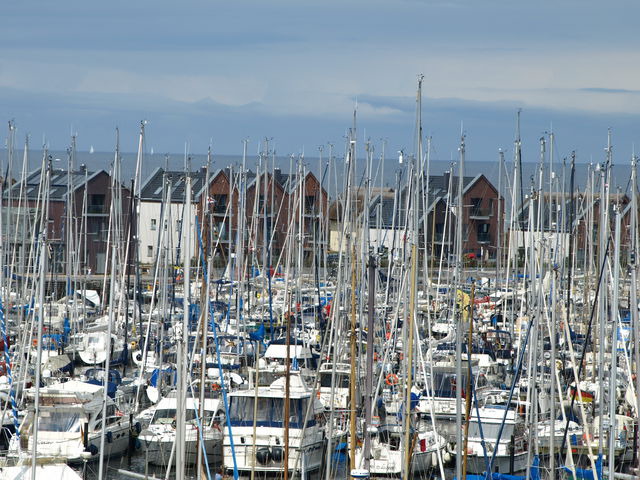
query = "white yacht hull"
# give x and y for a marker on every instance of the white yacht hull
(305, 455)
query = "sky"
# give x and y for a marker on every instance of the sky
(214, 73)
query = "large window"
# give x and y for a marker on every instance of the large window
(219, 203)
(60, 420)
(341, 381)
(96, 203)
(445, 384)
(270, 412)
(309, 204)
(483, 233)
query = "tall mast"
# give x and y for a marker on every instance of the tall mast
(633, 299)
(114, 212)
(602, 304)
(183, 344)
(458, 318)
(613, 370)
(552, 364)
(352, 337)
(44, 225)
(69, 220)
(500, 226)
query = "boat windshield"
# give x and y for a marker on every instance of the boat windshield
(490, 431)
(445, 384)
(342, 381)
(168, 415)
(60, 420)
(270, 412)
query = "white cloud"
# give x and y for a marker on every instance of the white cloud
(228, 90)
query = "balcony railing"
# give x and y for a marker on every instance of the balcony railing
(484, 238)
(439, 238)
(482, 213)
(219, 209)
(95, 209)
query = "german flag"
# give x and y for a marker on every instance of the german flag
(587, 397)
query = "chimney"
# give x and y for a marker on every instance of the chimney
(446, 177)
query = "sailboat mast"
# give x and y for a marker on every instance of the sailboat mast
(602, 305)
(44, 225)
(613, 370)
(500, 226)
(114, 212)
(458, 319)
(183, 342)
(415, 209)
(352, 337)
(633, 263)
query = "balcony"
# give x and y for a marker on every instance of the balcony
(219, 210)
(439, 238)
(478, 213)
(96, 210)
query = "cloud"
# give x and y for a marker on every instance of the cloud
(295, 70)
(610, 90)
(391, 104)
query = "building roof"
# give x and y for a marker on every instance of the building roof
(382, 206)
(153, 189)
(556, 209)
(59, 181)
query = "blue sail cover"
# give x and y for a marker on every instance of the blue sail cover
(534, 474)
(587, 474)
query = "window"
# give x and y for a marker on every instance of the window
(309, 203)
(483, 233)
(220, 232)
(476, 207)
(219, 203)
(269, 412)
(269, 228)
(96, 203)
(153, 223)
(149, 250)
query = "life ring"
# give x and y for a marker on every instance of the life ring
(34, 342)
(392, 379)
(375, 356)
(215, 387)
